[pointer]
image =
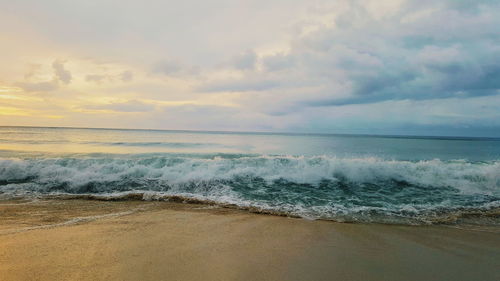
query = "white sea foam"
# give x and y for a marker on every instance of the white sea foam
(464, 176)
(318, 187)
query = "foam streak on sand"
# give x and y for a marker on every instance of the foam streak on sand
(72, 221)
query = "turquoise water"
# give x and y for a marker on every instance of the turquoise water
(409, 180)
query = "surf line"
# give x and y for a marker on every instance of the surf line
(74, 221)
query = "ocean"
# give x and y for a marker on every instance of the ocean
(346, 178)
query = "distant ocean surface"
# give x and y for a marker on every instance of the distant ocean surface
(353, 178)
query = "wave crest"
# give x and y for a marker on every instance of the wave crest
(353, 189)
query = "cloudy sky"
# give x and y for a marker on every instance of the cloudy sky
(337, 66)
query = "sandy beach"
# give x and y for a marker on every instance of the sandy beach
(137, 240)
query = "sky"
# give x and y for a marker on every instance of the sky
(311, 66)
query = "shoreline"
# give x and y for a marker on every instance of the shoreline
(143, 240)
(487, 218)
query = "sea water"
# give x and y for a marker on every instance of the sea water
(354, 178)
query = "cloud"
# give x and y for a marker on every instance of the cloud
(214, 117)
(444, 52)
(167, 67)
(470, 6)
(45, 86)
(277, 62)
(318, 65)
(174, 68)
(239, 85)
(244, 61)
(127, 76)
(96, 78)
(61, 73)
(128, 106)
(33, 69)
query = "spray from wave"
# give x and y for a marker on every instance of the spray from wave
(319, 187)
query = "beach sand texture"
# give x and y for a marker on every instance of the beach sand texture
(136, 240)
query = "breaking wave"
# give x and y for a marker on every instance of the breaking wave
(319, 187)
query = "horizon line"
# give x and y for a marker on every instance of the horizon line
(451, 137)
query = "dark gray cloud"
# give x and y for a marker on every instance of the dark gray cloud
(426, 50)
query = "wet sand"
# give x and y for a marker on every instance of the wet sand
(136, 240)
